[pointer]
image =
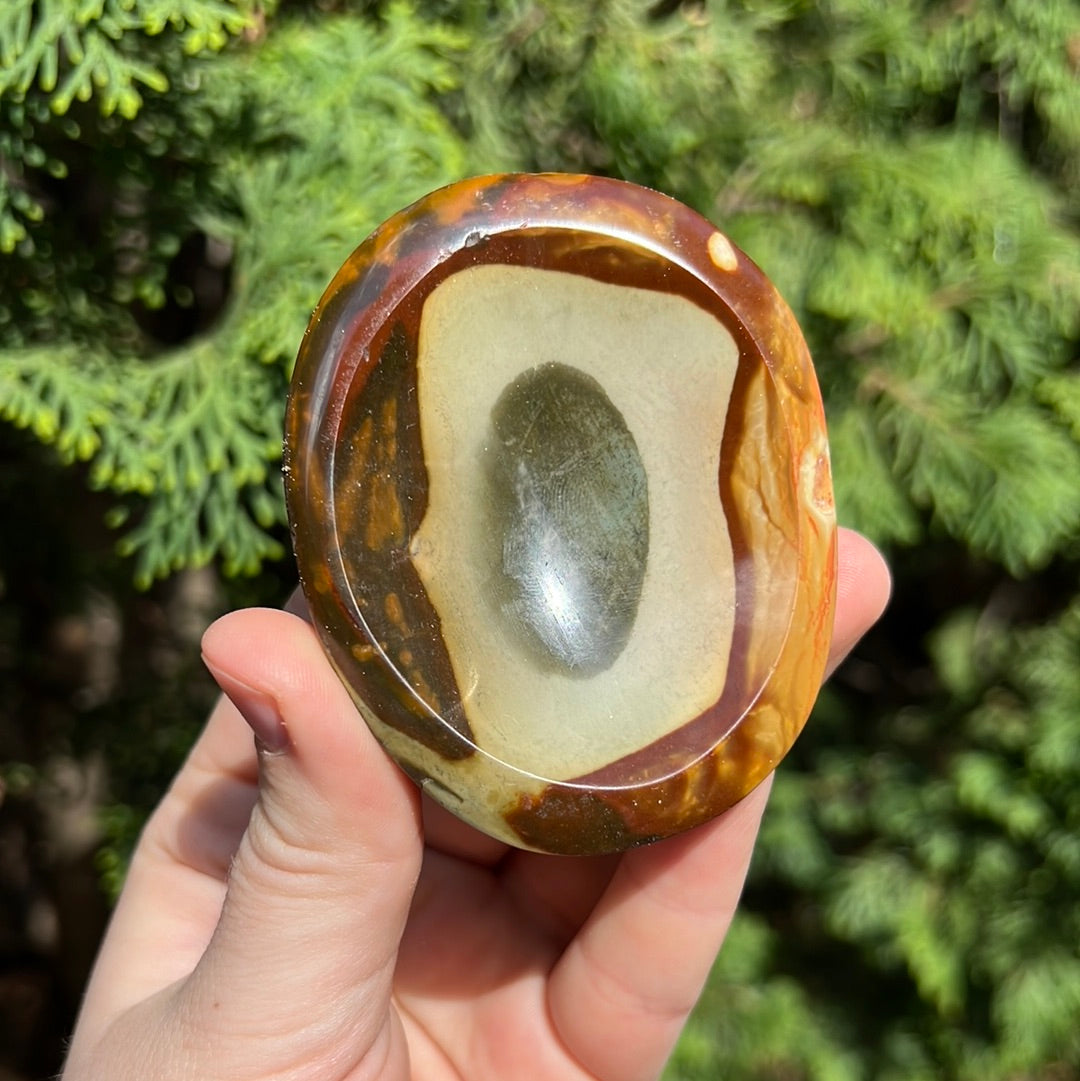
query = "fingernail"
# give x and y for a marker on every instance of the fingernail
(258, 709)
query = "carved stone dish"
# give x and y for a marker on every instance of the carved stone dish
(558, 480)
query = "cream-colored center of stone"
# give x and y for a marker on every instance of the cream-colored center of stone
(667, 366)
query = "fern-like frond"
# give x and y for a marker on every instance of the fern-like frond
(191, 439)
(82, 49)
(197, 437)
(109, 53)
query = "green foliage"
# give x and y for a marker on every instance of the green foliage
(191, 435)
(56, 52)
(94, 43)
(941, 317)
(748, 1025)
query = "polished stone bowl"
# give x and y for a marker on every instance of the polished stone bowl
(558, 479)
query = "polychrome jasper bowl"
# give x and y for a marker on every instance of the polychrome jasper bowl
(559, 486)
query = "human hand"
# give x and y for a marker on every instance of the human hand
(300, 913)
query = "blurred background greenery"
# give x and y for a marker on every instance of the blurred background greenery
(178, 181)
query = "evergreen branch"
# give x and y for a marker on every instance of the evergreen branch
(307, 204)
(197, 435)
(21, 154)
(868, 496)
(54, 52)
(1004, 480)
(231, 524)
(80, 49)
(1061, 392)
(1037, 1006)
(62, 400)
(959, 860)
(192, 439)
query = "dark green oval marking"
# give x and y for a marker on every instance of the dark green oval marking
(568, 518)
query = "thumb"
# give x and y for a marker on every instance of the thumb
(303, 956)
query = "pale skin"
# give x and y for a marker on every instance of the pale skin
(298, 912)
